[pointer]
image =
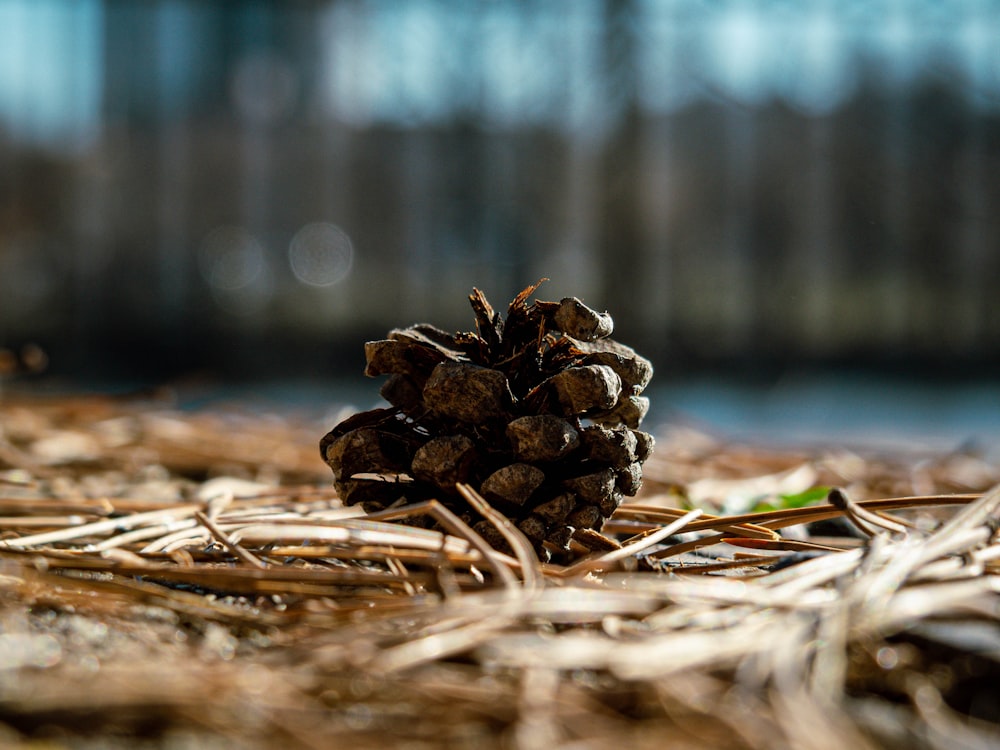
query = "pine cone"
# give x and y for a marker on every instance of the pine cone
(538, 412)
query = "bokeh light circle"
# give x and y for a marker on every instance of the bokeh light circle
(230, 258)
(321, 254)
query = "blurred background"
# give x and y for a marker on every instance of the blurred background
(763, 194)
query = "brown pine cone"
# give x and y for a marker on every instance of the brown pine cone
(538, 412)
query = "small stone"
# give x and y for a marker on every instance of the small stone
(542, 438)
(513, 484)
(468, 393)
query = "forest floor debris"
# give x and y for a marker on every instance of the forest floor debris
(182, 579)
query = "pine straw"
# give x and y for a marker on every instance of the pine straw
(173, 579)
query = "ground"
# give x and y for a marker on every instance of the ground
(175, 578)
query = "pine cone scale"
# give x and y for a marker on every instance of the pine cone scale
(468, 393)
(542, 438)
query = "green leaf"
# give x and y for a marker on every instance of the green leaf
(797, 500)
